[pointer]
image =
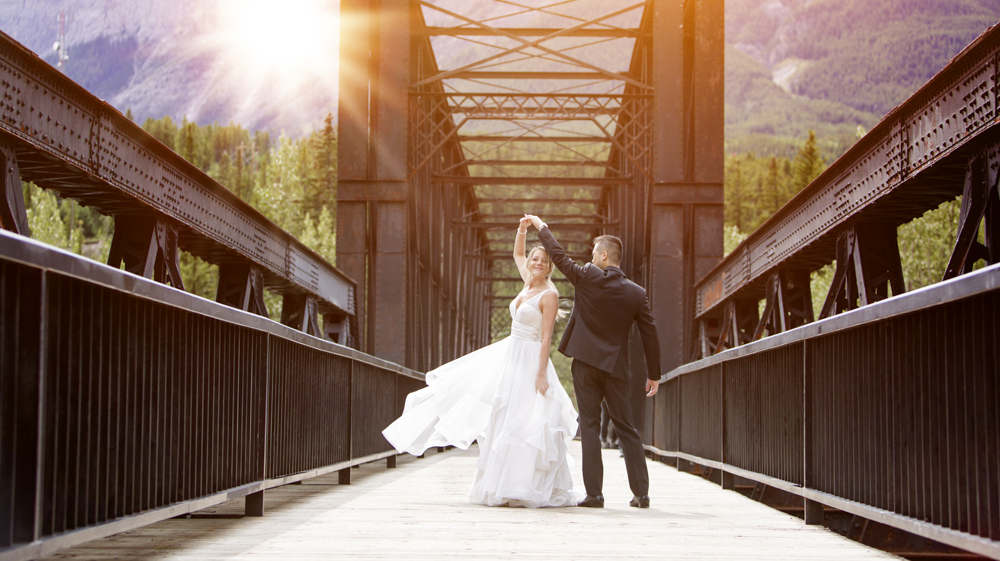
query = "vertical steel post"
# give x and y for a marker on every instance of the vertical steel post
(13, 214)
(352, 154)
(813, 509)
(372, 194)
(687, 215)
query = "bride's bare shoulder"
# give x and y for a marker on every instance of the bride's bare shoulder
(550, 297)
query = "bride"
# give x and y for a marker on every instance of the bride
(507, 397)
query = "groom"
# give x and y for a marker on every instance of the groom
(596, 337)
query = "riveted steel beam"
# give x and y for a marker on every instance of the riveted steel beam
(530, 32)
(915, 159)
(82, 148)
(511, 75)
(533, 138)
(541, 180)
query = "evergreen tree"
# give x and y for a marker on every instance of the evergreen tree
(164, 130)
(187, 141)
(808, 164)
(323, 172)
(773, 186)
(734, 188)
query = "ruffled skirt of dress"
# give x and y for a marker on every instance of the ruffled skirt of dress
(489, 395)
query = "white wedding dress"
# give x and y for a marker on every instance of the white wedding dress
(489, 396)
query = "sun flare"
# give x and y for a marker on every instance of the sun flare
(290, 39)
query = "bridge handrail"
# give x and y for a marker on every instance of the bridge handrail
(127, 401)
(887, 412)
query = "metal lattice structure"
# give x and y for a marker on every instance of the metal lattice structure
(458, 118)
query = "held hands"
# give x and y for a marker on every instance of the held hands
(652, 386)
(522, 225)
(535, 221)
(541, 383)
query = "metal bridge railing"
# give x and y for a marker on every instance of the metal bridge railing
(890, 412)
(124, 402)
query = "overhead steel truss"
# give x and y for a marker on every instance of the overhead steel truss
(455, 119)
(943, 142)
(59, 136)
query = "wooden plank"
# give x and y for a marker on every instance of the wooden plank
(421, 510)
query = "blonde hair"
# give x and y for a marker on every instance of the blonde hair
(560, 313)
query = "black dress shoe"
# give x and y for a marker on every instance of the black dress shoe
(592, 502)
(641, 502)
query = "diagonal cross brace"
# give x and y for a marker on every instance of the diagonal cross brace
(13, 215)
(537, 44)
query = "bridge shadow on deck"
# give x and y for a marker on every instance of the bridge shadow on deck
(421, 510)
(220, 531)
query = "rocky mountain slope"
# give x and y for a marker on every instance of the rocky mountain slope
(184, 58)
(834, 65)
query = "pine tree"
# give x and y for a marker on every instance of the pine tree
(808, 164)
(734, 192)
(323, 172)
(775, 191)
(187, 141)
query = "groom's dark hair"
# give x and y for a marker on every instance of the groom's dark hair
(612, 245)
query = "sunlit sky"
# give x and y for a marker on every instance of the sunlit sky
(292, 39)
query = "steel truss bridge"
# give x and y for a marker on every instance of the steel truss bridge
(126, 400)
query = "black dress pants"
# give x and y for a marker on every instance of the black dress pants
(592, 386)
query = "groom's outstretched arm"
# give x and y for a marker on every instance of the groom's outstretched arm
(558, 255)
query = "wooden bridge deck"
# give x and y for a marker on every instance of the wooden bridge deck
(421, 510)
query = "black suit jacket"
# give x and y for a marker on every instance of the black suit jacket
(606, 305)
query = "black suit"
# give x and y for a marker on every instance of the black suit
(596, 337)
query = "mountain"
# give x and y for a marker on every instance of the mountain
(832, 66)
(206, 60)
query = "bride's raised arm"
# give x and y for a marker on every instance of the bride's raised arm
(519, 240)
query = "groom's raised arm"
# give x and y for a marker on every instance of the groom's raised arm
(558, 255)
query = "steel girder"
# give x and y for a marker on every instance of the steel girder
(421, 304)
(59, 136)
(941, 143)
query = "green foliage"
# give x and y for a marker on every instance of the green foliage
(320, 235)
(200, 277)
(731, 237)
(808, 165)
(925, 244)
(755, 188)
(46, 222)
(819, 285)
